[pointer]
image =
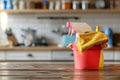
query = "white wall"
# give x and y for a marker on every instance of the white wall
(45, 26)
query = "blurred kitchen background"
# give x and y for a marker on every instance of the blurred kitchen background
(43, 22)
(51, 26)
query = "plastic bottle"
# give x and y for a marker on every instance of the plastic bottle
(3, 4)
(108, 31)
(75, 4)
(44, 2)
(85, 4)
(9, 4)
(112, 4)
(66, 4)
(15, 4)
(22, 4)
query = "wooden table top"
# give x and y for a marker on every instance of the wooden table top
(55, 71)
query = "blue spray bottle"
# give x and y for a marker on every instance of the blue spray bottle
(9, 4)
(108, 31)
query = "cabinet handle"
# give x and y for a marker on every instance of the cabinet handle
(30, 55)
(72, 54)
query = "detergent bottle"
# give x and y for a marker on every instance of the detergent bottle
(108, 31)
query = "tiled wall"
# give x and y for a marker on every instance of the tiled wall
(45, 26)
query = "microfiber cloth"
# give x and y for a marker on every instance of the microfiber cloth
(88, 40)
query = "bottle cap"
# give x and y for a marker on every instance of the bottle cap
(97, 28)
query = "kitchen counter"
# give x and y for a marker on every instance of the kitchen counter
(55, 71)
(48, 48)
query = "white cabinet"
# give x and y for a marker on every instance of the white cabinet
(2, 55)
(117, 55)
(28, 55)
(108, 55)
(39, 55)
(68, 55)
(62, 55)
(51, 55)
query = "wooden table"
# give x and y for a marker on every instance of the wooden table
(55, 71)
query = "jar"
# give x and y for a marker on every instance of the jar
(21, 4)
(112, 4)
(100, 4)
(15, 4)
(28, 4)
(57, 5)
(66, 4)
(75, 4)
(45, 4)
(51, 5)
(85, 4)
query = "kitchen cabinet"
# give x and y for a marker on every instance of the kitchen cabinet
(108, 55)
(49, 53)
(39, 55)
(2, 55)
(34, 53)
(117, 55)
(62, 55)
(54, 55)
(28, 55)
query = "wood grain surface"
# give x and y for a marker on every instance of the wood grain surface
(55, 71)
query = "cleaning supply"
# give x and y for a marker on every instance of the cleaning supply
(87, 48)
(89, 59)
(66, 40)
(81, 28)
(108, 31)
(87, 40)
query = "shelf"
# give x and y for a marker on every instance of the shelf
(62, 11)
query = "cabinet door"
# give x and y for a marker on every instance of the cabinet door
(62, 55)
(28, 55)
(2, 55)
(108, 55)
(117, 55)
